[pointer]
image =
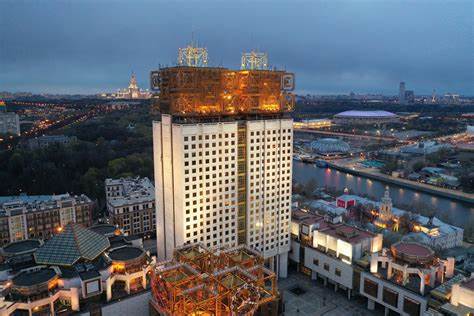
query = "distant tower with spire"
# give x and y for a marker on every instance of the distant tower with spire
(386, 207)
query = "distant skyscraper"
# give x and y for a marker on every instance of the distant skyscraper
(223, 157)
(401, 93)
(409, 96)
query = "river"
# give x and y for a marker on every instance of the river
(460, 213)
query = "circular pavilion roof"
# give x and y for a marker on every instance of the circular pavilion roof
(28, 245)
(412, 252)
(126, 253)
(329, 145)
(103, 229)
(33, 278)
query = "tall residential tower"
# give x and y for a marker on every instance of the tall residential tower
(223, 159)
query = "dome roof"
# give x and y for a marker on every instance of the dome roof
(329, 145)
(365, 114)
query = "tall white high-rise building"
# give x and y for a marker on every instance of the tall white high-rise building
(206, 172)
(223, 174)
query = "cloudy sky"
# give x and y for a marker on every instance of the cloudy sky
(88, 46)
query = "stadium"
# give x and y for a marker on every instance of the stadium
(329, 147)
(365, 117)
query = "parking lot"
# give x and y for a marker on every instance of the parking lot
(306, 297)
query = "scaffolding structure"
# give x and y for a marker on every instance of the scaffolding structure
(198, 91)
(254, 60)
(198, 281)
(192, 56)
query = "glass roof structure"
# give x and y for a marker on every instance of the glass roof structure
(71, 245)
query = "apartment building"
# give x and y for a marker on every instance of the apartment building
(131, 205)
(9, 123)
(41, 216)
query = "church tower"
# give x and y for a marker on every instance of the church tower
(386, 207)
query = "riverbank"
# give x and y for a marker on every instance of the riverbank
(443, 192)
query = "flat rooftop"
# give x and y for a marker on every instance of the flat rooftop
(347, 233)
(468, 284)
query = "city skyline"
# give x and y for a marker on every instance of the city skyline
(334, 47)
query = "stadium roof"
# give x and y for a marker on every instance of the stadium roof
(72, 244)
(355, 113)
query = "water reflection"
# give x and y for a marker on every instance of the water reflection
(461, 212)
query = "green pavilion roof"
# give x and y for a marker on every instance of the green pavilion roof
(71, 245)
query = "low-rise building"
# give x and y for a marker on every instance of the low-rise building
(131, 205)
(312, 123)
(328, 249)
(462, 298)
(70, 270)
(41, 216)
(48, 140)
(400, 279)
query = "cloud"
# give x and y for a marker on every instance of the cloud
(332, 46)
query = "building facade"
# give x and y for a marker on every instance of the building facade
(223, 157)
(41, 216)
(325, 248)
(401, 278)
(131, 205)
(9, 123)
(54, 279)
(224, 184)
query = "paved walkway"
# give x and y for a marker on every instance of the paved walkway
(318, 300)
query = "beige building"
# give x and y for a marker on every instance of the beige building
(41, 216)
(224, 183)
(131, 205)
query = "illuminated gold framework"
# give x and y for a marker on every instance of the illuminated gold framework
(198, 281)
(197, 91)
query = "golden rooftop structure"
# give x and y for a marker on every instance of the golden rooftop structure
(199, 281)
(194, 89)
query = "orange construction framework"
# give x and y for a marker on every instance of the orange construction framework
(197, 91)
(198, 281)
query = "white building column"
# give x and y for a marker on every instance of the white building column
(75, 299)
(127, 285)
(314, 275)
(51, 308)
(108, 289)
(386, 311)
(283, 265)
(370, 304)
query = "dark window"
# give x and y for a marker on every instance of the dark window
(411, 307)
(316, 262)
(337, 272)
(371, 288)
(390, 297)
(326, 267)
